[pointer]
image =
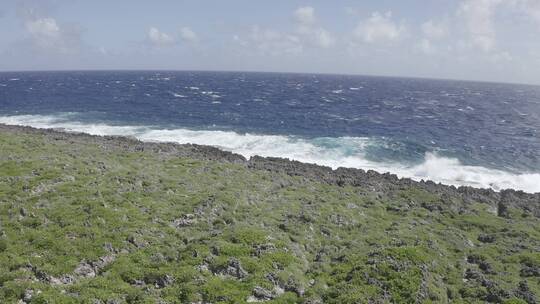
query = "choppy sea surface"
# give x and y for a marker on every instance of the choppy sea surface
(460, 133)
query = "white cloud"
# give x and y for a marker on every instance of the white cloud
(316, 36)
(103, 51)
(323, 38)
(530, 7)
(305, 15)
(433, 30)
(43, 28)
(160, 39)
(45, 33)
(426, 47)
(157, 38)
(379, 28)
(187, 34)
(501, 57)
(309, 31)
(271, 42)
(242, 42)
(481, 16)
(533, 8)
(478, 15)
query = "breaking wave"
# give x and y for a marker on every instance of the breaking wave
(334, 152)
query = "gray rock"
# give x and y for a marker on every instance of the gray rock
(102, 262)
(85, 270)
(523, 292)
(262, 294)
(471, 274)
(502, 210)
(159, 281)
(233, 269)
(530, 271)
(486, 238)
(136, 242)
(29, 294)
(295, 287)
(109, 247)
(481, 262)
(185, 221)
(89, 269)
(264, 248)
(66, 279)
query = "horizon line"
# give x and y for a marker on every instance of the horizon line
(272, 72)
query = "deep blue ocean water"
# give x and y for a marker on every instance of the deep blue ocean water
(461, 133)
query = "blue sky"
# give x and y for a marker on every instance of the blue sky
(492, 40)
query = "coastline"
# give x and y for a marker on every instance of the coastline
(376, 181)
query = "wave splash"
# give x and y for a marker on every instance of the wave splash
(332, 152)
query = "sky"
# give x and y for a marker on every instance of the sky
(487, 40)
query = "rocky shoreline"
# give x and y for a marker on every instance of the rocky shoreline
(382, 183)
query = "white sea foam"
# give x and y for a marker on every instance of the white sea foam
(333, 152)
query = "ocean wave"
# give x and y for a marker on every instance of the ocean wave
(178, 95)
(333, 152)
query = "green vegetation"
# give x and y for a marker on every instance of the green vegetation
(89, 222)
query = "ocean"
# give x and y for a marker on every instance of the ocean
(458, 133)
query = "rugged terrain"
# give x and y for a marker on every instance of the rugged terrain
(87, 219)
